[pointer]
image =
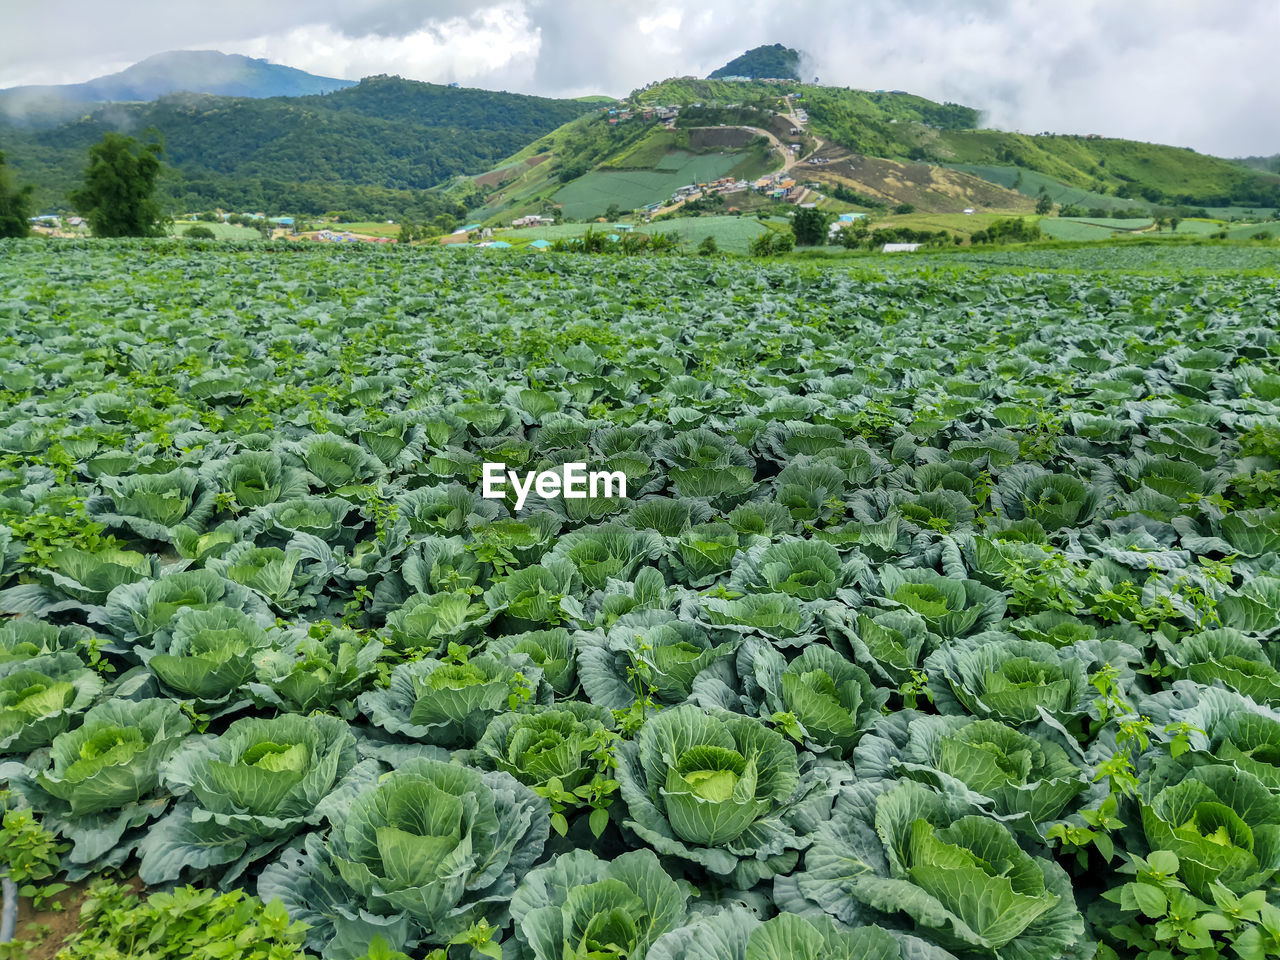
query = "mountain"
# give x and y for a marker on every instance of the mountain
(769, 61)
(389, 148)
(629, 158)
(873, 150)
(192, 71)
(373, 148)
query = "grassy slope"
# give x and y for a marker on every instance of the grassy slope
(852, 118)
(1030, 182)
(769, 60)
(1072, 169)
(958, 223)
(1248, 230)
(536, 169)
(631, 164)
(590, 195)
(1082, 228)
(1120, 168)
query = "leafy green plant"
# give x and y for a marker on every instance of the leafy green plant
(1162, 919)
(29, 854)
(188, 923)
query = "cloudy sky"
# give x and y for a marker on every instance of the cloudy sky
(1186, 72)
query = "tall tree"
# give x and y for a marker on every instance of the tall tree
(118, 196)
(15, 206)
(810, 227)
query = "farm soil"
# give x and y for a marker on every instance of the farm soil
(60, 923)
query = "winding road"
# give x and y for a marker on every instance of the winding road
(789, 159)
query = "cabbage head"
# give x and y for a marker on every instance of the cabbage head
(721, 790)
(336, 463)
(446, 703)
(153, 504)
(430, 622)
(258, 477)
(1222, 822)
(1025, 779)
(114, 757)
(803, 569)
(102, 779)
(88, 576)
(738, 934)
(949, 607)
(888, 644)
(1227, 657)
(904, 855)
(41, 697)
(1224, 726)
(703, 553)
(251, 789)
(25, 637)
(650, 648)
(782, 619)
(831, 701)
(551, 651)
(535, 597)
(606, 551)
(565, 742)
(208, 656)
(579, 907)
(418, 854)
(137, 611)
(993, 675)
(322, 669)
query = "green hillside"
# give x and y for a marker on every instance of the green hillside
(769, 60)
(373, 149)
(590, 164)
(389, 147)
(526, 181)
(689, 90)
(1269, 164)
(1117, 168)
(591, 195)
(1098, 172)
(1030, 183)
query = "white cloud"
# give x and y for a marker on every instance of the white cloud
(1180, 71)
(490, 42)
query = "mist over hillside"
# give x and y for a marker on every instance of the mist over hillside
(191, 71)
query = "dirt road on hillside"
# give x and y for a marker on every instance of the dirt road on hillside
(789, 159)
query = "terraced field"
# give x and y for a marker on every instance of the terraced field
(592, 194)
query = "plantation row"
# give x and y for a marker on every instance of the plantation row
(937, 622)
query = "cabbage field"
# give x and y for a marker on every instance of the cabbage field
(938, 621)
